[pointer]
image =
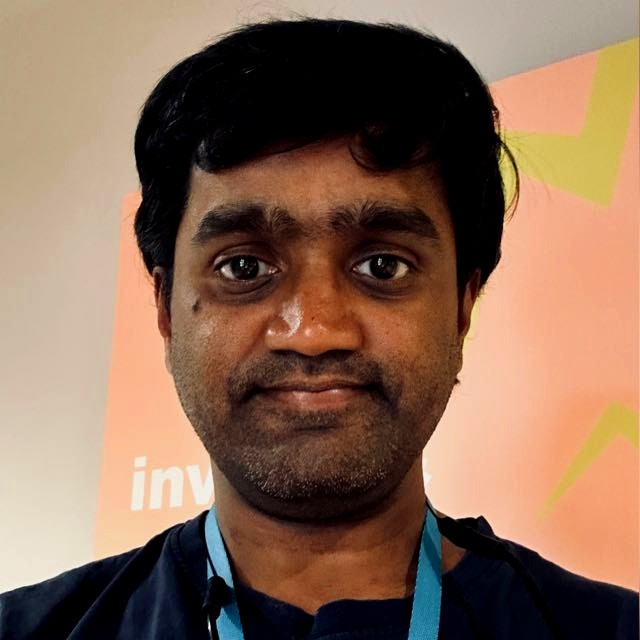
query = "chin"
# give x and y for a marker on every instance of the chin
(355, 493)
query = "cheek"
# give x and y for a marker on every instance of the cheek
(213, 337)
(414, 330)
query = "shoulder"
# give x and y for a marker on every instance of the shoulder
(58, 606)
(57, 603)
(580, 601)
(503, 573)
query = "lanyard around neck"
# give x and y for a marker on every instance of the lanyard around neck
(425, 612)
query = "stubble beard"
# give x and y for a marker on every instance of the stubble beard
(315, 465)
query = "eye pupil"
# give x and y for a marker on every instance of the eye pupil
(384, 267)
(244, 267)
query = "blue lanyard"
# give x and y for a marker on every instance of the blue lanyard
(425, 613)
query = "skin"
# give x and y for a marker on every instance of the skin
(315, 385)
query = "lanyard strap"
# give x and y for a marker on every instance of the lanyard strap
(425, 613)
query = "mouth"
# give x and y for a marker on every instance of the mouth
(316, 395)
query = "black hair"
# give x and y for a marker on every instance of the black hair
(400, 96)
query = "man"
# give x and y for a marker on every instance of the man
(322, 204)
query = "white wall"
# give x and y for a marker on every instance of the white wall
(74, 75)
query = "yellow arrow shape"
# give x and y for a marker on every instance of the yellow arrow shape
(617, 420)
(587, 164)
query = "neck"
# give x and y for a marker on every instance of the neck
(308, 565)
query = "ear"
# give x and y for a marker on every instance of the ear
(467, 301)
(160, 282)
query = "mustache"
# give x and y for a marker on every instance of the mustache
(250, 377)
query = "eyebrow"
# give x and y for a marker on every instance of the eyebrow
(368, 216)
(241, 217)
(374, 216)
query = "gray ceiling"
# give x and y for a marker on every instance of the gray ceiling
(505, 37)
(502, 37)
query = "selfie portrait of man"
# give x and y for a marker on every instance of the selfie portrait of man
(322, 205)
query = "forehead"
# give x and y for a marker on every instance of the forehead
(312, 181)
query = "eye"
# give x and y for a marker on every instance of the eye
(244, 268)
(383, 267)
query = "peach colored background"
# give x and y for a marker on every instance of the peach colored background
(553, 345)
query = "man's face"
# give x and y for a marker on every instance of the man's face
(315, 329)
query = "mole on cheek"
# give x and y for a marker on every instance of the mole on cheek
(196, 306)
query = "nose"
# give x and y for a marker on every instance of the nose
(315, 316)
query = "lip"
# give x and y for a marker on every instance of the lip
(314, 386)
(315, 395)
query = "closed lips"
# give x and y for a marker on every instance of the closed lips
(314, 387)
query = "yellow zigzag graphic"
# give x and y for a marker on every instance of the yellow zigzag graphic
(617, 420)
(588, 164)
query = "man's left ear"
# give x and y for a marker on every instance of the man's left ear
(466, 303)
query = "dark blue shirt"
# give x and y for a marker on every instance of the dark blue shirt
(158, 592)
